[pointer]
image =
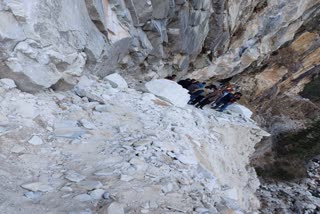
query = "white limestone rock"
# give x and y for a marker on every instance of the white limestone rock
(74, 176)
(240, 109)
(87, 124)
(126, 178)
(35, 140)
(83, 197)
(37, 187)
(97, 194)
(17, 149)
(114, 208)
(170, 91)
(52, 56)
(68, 129)
(90, 185)
(7, 83)
(116, 81)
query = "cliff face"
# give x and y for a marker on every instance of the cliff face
(144, 39)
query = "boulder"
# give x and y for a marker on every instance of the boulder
(170, 91)
(37, 187)
(236, 108)
(40, 52)
(114, 208)
(116, 81)
(74, 176)
(35, 140)
(7, 83)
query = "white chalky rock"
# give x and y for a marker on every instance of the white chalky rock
(90, 185)
(105, 172)
(7, 83)
(83, 197)
(97, 194)
(37, 187)
(87, 124)
(116, 81)
(102, 108)
(74, 176)
(231, 193)
(17, 149)
(170, 91)
(35, 140)
(115, 208)
(241, 110)
(66, 189)
(189, 160)
(126, 178)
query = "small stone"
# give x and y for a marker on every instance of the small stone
(90, 185)
(171, 154)
(37, 187)
(80, 212)
(105, 172)
(87, 124)
(35, 140)
(17, 149)
(167, 188)
(102, 108)
(66, 195)
(153, 205)
(187, 160)
(35, 196)
(7, 83)
(116, 81)
(106, 195)
(66, 189)
(115, 208)
(202, 210)
(126, 178)
(74, 176)
(97, 194)
(83, 197)
(144, 211)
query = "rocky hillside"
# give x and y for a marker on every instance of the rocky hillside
(269, 48)
(100, 149)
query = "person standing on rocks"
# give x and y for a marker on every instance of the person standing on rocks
(185, 83)
(227, 100)
(214, 96)
(172, 77)
(205, 93)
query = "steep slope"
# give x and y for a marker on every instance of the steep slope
(67, 151)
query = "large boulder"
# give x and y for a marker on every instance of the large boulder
(170, 91)
(39, 50)
(236, 108)
(116, 81)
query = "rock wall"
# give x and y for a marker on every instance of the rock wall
(49, 44)
(142, 39)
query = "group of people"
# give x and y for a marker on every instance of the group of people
(220, 97)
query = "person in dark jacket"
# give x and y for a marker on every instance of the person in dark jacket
(227, 100)
(172, 77)
(185, 83)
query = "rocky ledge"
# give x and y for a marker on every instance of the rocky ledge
(107, 149)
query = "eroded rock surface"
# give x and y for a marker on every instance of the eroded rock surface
(139, 155)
